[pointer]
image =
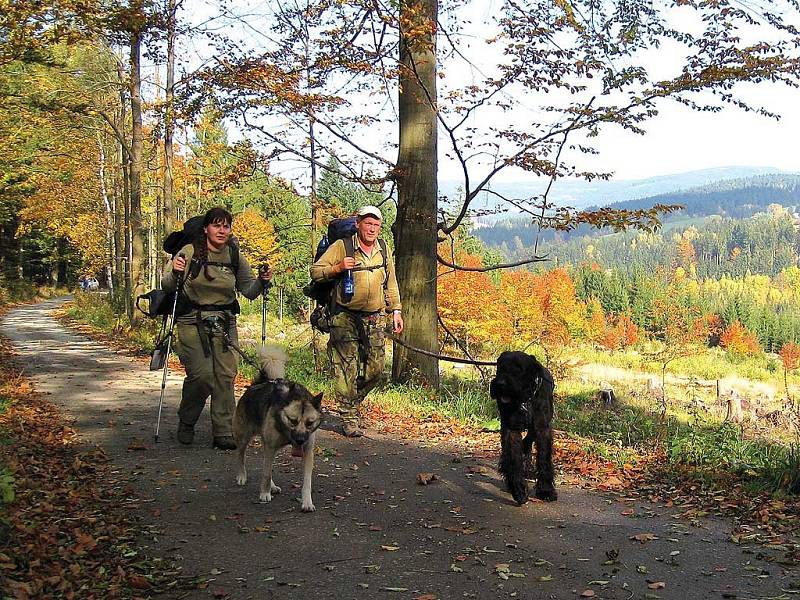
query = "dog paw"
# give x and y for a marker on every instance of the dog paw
(307, 507)
(546, 494)
(241, 479)
(265, 497)
(520, 493)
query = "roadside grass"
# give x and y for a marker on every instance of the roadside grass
(712, 363)
(690, 434)
(17, 291)
(96, 310)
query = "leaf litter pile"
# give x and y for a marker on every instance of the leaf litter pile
(65, 528)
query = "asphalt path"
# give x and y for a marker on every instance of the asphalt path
(376, 533)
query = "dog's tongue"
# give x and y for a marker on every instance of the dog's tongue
(297, 450)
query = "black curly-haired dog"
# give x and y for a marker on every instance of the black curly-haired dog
(523, 389)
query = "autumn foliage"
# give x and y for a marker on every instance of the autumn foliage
(521, 309)
(738, 340)
(67, 528)
(790, 356)
(256, 238)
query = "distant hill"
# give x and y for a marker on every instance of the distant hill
(735, 198)
(581, 194)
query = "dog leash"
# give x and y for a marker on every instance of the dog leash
(226, 338)
(444, 357)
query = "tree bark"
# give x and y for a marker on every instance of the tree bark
(101, 176)
(416, 175)
(123, 212)
(137, 242)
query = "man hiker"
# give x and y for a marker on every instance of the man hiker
(357, 339)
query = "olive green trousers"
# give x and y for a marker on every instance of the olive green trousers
(206, 376)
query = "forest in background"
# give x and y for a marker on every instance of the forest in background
(113, 124)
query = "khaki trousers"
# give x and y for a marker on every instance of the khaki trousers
(206, 376)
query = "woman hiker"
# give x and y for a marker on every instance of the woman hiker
(208, 306)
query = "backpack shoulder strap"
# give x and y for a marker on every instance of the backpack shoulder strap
(233, 255)
(349, 246)
(234, 251)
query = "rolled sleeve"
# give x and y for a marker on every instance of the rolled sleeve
(322, 269)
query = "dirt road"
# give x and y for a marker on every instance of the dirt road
(376, 533)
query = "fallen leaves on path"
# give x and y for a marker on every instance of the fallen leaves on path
(759, 519)
(67, 533)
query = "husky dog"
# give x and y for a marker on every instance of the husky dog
(524, 389)
(282, 412)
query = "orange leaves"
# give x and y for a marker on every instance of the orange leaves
(738, 340)
(467, 299)
(622, 334)
(522, 308)
(790, 356)
(68, 525)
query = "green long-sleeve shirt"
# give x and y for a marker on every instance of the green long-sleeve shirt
(222, 289)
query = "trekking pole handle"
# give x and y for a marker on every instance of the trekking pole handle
(265, 283)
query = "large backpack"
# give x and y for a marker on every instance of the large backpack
(323, 292)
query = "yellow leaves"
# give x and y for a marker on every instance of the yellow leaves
(256, 238)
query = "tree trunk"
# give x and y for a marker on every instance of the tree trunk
(101, 176)
(169, 216)
(416, 172)
(137, 242)
(122, 208)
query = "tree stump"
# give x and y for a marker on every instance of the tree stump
(734, 404)
(605, 395)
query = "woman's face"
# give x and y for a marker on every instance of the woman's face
(217, 234)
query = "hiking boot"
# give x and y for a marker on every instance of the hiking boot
(224, 442)
(185, 433)
(350, 430)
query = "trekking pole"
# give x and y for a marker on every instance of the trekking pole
(264, 291)
(178, 286)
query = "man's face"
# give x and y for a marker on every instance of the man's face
(369, 228)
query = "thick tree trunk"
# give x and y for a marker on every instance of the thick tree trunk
(137, 255)
(169, 216)
(416, 172)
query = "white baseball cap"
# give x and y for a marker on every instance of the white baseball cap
(370, 211)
